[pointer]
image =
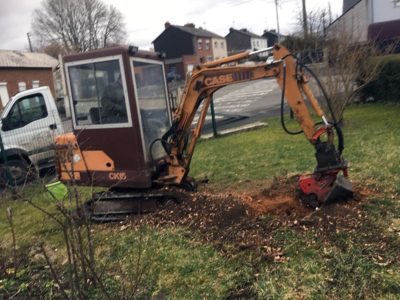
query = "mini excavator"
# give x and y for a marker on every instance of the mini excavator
(125, 139)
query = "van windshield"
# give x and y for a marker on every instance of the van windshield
(5, 108)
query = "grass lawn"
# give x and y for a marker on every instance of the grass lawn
(331, 260)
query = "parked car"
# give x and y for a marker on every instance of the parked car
(28, 127)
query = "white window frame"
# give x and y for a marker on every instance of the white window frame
(207, 44)
(131, 60)
(21, 86)
(35, 84)
(128, 108)
(199, 44)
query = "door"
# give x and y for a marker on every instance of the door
(154, 110)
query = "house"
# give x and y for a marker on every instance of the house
(187, 46)
(243, 40)
(271, 36)
(368, 20)
(24, 70)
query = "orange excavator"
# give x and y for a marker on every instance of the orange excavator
(126, 140)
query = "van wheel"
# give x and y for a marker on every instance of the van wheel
(19, 170)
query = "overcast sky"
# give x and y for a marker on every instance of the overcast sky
(145, 19)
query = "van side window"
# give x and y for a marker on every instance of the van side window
(26, 110)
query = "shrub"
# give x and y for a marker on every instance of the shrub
(386, 87)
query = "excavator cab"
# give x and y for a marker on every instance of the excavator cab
(119, 105)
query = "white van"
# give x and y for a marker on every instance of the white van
(29, 124)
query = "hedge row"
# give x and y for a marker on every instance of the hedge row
(386, 87)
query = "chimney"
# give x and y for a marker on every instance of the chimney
(243, 29)
(191, 25)
(167, 24)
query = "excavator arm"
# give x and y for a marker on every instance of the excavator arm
(180, 141)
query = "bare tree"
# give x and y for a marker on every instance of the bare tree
(78, 25)
(335, 54)
(348, 68)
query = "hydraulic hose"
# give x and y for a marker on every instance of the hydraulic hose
(328, 101)
(335, 124)
(283, 103)
(321, 87)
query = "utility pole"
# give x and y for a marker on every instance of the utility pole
(277, 21)
(305, 26)
(29, 41)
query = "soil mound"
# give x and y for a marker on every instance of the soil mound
(246, 220)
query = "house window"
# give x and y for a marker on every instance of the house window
(200, 44)
(222, 45)
(215, 44)
(207, 44)
(258, 43)
(35, 84)
(209, 58)
(21, 86)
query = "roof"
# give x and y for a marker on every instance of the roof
(244, 31)
(384, 30)
(192, 30)
(198, 31)
(110, 51)
(17, 59)
(348, 4)
(345, 11)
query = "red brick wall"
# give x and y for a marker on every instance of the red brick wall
(203, 52)
(15, 75)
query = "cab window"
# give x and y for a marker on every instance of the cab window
(25, 111)
(98, 93)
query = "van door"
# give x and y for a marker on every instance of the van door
(30, 127)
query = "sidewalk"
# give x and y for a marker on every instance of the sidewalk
(235, 130)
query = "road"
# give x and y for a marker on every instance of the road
(244, 103)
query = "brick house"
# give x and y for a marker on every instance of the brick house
(243, 40)
(363, 20)
(186, 46)
(20, 71)
(271, 36)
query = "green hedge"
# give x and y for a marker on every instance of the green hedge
(387, 86)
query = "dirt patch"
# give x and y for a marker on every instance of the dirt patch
(277, 198)
(248, 219)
